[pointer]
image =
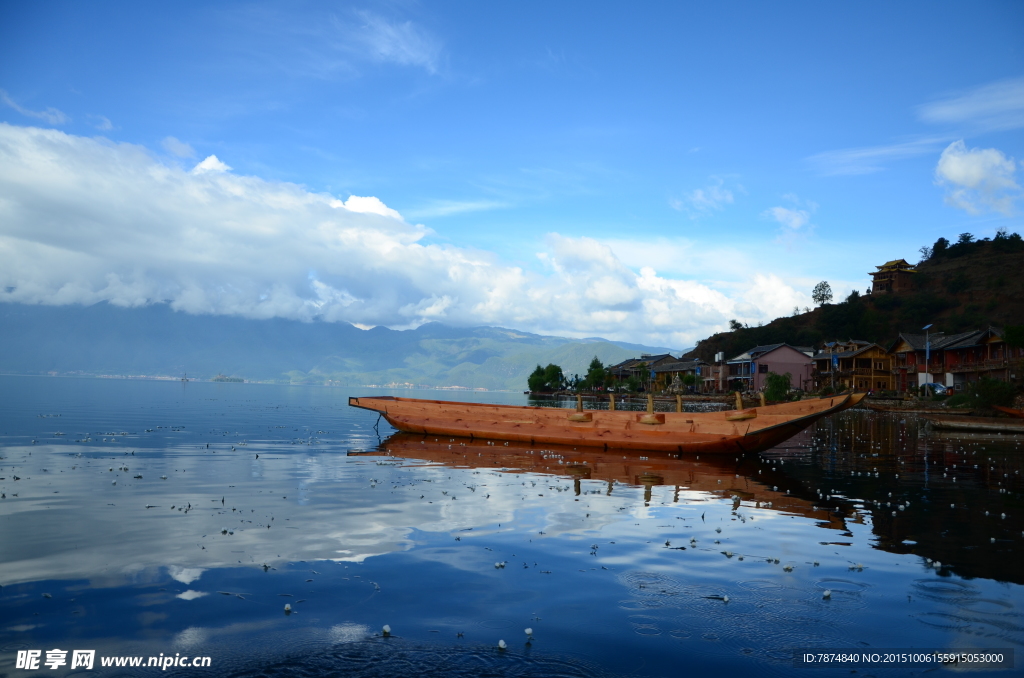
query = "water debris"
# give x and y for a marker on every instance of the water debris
(287, 608)
(386, 631)
(827, 594)
(501, 643)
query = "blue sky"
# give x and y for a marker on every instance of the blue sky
(642, 173)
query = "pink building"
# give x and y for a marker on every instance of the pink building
(750, 369)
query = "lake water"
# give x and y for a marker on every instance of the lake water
(142, 518)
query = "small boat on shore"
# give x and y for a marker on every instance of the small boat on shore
(1009, 410)
(992, 424)
(730, 431)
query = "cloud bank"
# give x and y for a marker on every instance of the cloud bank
(87, 220)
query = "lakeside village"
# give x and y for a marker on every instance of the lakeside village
(959, 368)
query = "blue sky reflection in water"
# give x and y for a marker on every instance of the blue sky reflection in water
(592, 550)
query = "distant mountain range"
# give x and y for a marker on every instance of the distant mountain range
(158, 341)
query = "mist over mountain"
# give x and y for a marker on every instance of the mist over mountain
(155, 340)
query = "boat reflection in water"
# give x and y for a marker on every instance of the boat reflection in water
(713, 476)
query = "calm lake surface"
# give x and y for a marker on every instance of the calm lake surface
(146, 517)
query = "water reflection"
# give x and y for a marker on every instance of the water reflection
(615, 559)
(686, 476)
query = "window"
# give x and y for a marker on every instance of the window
(762, 368)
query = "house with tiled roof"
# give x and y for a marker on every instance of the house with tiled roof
(749, 370)
(635, 367)
(854, 365)
(665, 372)
(954, 360)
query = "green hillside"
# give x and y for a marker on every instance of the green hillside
(970, 284)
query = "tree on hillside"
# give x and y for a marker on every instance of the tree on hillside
(595, 374)
(822, 293)
(940, 247)
(735, 325)
(546, 379)
(1007, 242)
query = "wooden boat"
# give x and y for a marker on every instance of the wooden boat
(1009, 410)
(731, 431)
(995, 424)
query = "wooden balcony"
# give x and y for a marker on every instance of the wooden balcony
(979, 366)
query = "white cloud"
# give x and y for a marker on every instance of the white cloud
(178, 148)
(792, 219)
(102, 123)
(977, 180)
(86, 220)
(444, 208)
(795, 221)
(367, 205)
(186, 575)
(700, 201)
(402, 43)
(870, 159)
(50, 115)
(211, 164)
(995, 106)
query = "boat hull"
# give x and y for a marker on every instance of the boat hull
(1009, 410)
(730, 431)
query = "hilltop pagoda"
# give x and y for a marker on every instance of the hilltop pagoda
(893, 276)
